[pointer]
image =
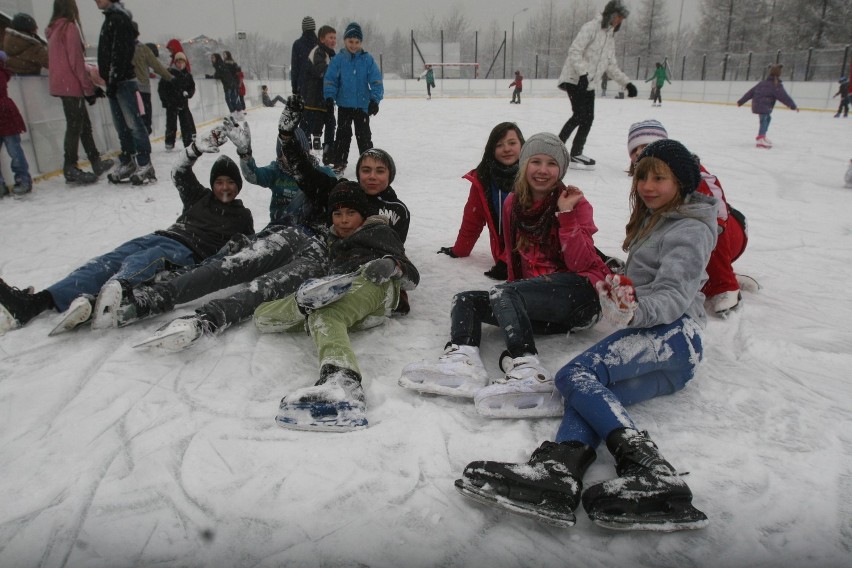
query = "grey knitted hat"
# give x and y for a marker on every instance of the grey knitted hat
(549, 144)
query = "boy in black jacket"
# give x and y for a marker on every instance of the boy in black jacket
(209, 219)
(373, 256)
(175, 95)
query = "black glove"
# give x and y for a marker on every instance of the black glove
(111, 90)
(91, 99)
(499, 271)
(100, 93)
(329, 104)
(583, 83)
(447, 251)
(373, 108)
(631, 90)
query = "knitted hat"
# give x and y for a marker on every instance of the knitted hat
(308, 24)
(548, 144)
(225, 166)
(682, 162)
(349, 194)
(180, 56)
(381, 156)
(354, 30)
(645, 132)
(23, 23)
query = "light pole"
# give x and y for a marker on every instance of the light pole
(513, 36)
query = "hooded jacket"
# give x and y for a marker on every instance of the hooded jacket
(353, 80)
(592, 53)
(68, 75)
(27, 53)
(116, 47)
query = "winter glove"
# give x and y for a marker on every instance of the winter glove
(419, 79)
(618, 299)
(373, 108)
(329, 104)
(381, 270)
(499, 271)
(447, 251)
(631, 90)
(239, 134)
(111, 90)
(583, 82)
(210, 143)
(291, 115)
(91, 99)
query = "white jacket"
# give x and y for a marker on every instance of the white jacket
(592, 52)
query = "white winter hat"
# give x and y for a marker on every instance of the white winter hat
(645, 132)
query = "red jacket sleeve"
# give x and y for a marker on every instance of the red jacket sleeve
(578, 248)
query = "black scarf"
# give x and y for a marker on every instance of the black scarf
(502, 179)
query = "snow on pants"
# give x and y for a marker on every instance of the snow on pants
(363, 306)
(135, 261)
(555, 303)
(720, 269)
(582, 117)
(629, 366)
(346, 118)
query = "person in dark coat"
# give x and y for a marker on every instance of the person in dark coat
(175, 95)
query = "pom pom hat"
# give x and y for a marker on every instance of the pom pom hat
(548, 144)
(681, 161)
(645, 132)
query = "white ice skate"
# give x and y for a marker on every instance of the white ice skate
(335, 404)
(527, 391)
(106, 306)
(79, 312)
(175, 336)
(458, 372)
(726, 302)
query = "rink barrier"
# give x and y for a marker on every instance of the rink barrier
(43, 141)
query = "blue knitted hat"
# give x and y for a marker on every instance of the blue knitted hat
(353, 30)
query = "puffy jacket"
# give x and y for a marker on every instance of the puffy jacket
(116, 46)
(11, 122)
(592, 53)
(172, 92)
(27, 53)
(68, 75)
(353, 80)
(477, 214)
(764, 94)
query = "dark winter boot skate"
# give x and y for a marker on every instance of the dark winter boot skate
(17, 307)
(334, 404)
(100, 167)
(76, 176)
(648, 493)
(546, 488)
(143, 174)
(123, 172)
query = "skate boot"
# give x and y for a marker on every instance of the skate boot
(316, 143)
(17, 306)
(4, 191)
(458, 372)
(76, 176)
(143, 174)
(725, 302)
(334, 404)
(22, 188)
(99, 166)
(581, 162)
(178, 334)
(546, 488)
(648, 493)
(527, 391)
(78, 313)
(123, 172)
(762, 142)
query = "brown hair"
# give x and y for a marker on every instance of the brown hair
(67, 9)
(483, 169)
(325, 30)
(640, 223)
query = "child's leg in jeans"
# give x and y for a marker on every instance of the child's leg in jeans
(764, 123)
(20, 167)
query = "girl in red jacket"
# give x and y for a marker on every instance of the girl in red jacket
(553, 267)
(490, 184)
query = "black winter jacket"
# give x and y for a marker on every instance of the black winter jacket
(116, 46)
(172, 92)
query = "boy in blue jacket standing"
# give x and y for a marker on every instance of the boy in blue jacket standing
(354, 82)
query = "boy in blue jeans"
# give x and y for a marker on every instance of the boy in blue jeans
(11, 126)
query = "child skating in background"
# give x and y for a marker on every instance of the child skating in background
(722, 288)
(491, 183)
(266, 100)
(763, 97)
(518, 83)
(353, 81)
(659, 77)
(843, 93)
(429, 74)
(553, 267)
(175, 95)
(11, 127)
(659, 304)
(358, 243)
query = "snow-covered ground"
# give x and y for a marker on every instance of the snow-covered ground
(112, 457)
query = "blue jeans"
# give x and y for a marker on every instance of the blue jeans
(556, 303)
(765, 119)
(629, 366)
(232, 99)
(129, 124)
(20, 167)
(136, 261)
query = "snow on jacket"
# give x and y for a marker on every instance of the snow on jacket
(69, 76)
(667, 266)
(144, 59)
(172, 92)
(764, 94)
(592, 53)
(353, 80)
(477, 214)
(27, 53)
(11, 122)
(288, 205)
(373, 240)
(116, 47)
(311, 88)
(571, 235)
(205, 224)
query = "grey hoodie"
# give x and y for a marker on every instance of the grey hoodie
(667, 266)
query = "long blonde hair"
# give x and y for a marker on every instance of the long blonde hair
(642, 220)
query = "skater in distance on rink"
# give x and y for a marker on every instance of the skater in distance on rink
(763, 97)
(657, 308)
(210, 217)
